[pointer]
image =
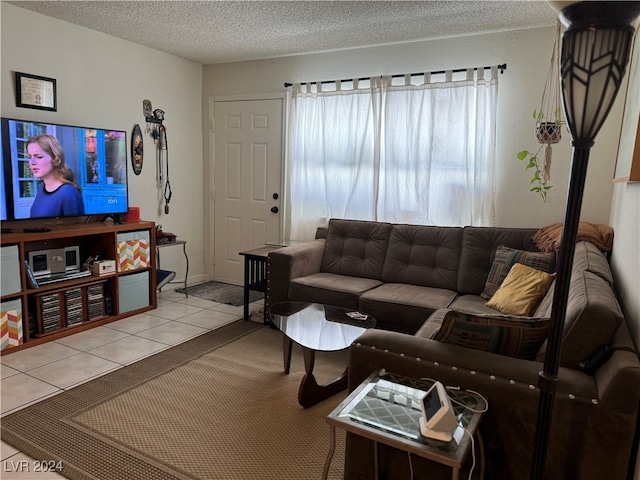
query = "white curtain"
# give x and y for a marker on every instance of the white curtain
(389, 149)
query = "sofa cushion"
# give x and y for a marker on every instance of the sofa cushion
(522, 290)
(593, 316)
(506, 258)
(544, 307)
(401, 307)
(511, 336)
(432, 325)
(588, 257)
(479, 246)
(423, 255)
(356, 248)
(330, 289)
(472, 304)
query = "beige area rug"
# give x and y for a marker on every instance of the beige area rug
(216, 407)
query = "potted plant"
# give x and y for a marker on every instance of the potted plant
(548, 132)
(548, 128)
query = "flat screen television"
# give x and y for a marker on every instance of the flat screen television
(53, 171)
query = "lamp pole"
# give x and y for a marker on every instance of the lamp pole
(595, 52)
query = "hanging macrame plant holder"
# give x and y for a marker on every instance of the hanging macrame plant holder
(549, 117)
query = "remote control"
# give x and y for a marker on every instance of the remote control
(36, 230)
(7, 230)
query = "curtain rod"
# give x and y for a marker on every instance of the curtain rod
(501, 67)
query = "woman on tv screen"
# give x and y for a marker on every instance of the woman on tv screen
(57, 193)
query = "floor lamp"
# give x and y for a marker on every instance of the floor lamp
(595, 52)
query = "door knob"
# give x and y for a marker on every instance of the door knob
(275, 196)
(274, 209)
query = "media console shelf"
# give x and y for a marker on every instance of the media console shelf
(31, 316)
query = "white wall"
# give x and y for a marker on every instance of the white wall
(625, 214)
(625, 261)
(101, 82)
(527, 55)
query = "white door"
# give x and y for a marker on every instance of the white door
(247, 181)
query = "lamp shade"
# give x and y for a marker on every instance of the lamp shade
(595, 52)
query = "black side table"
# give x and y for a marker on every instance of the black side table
(255, 275)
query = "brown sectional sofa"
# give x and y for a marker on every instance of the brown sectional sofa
(408, 277)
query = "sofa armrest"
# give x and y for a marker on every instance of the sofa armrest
(288, 263)
(618, 378)
(454, 365)
(584, 417)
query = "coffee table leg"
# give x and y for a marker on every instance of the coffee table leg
(309, 359)
(310, 393)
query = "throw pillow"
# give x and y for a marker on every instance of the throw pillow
(506, 335)
(522, 291)
(507, 257)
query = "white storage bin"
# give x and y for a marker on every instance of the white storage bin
(10, 268)
(133, 291)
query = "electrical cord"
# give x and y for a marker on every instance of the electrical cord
(473, 457)
(465, 405)
(473, 452)
(460, 389)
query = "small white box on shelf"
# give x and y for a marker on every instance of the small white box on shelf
(103, 267)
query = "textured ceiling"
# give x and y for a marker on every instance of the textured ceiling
(227, 31)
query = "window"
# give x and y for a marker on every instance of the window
(412, 153)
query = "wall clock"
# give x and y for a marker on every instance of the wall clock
(137, 149)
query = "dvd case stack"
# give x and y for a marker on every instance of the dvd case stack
(73, 306)
(50, 308)
(95, 302)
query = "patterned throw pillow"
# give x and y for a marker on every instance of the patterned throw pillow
(519, 337)
(506, 258)
(521, 291)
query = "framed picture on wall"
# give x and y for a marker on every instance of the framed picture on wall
(37, 92)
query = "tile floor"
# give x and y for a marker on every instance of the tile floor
(31, 375)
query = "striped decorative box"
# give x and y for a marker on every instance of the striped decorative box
(11, 334)
(133, 251)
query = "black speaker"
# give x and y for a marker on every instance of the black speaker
(108, 303)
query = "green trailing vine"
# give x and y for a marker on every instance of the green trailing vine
(540, 185)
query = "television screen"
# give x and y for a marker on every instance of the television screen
(52, 170)
(3, 198)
